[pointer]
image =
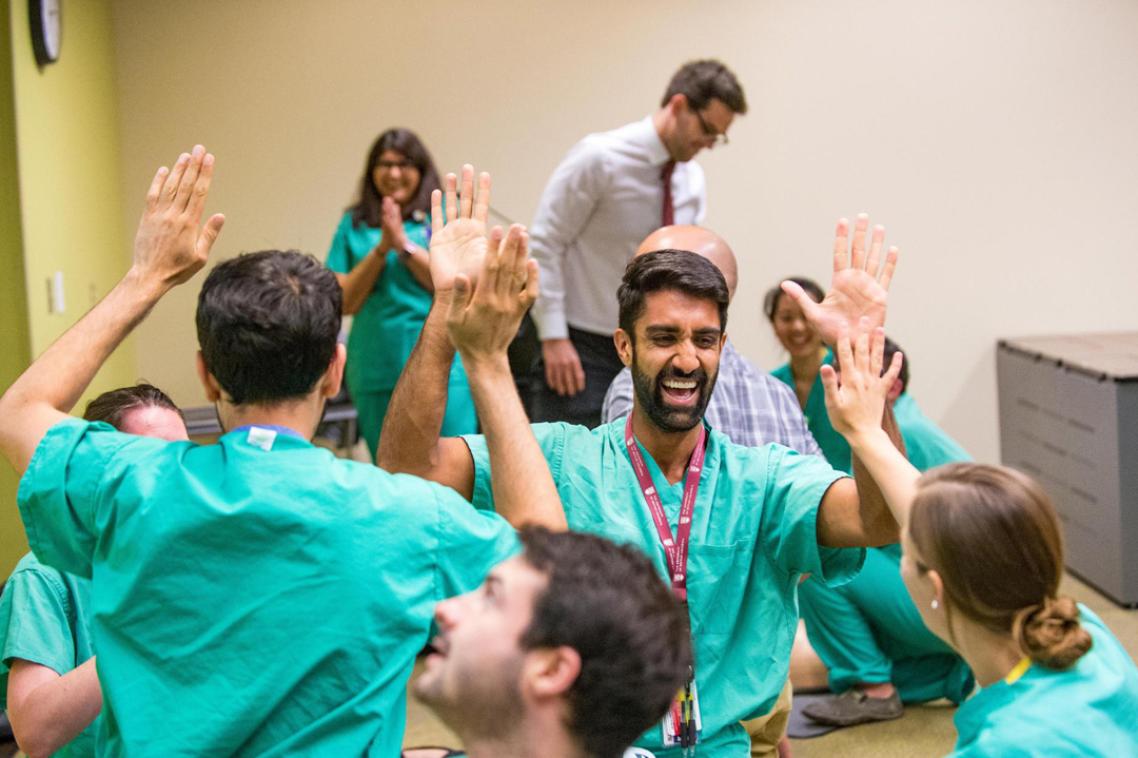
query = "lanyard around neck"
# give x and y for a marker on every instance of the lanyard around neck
(675, 549)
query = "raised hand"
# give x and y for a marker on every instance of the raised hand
(856, 403)
(860, 286)
(458, 242)
(171, 245)
(485, 313)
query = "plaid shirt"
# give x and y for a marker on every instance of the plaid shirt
(750, 406)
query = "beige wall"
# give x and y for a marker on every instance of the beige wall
(995, 140)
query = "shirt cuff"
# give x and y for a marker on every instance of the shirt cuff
(550, 321)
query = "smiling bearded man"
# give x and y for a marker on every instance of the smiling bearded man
(731, 528)
(677, 395)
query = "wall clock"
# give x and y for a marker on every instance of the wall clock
(46, 20)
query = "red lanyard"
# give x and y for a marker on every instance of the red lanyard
(676, 549)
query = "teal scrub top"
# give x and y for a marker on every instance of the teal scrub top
(1090, 709)
(45, 619)
(834, 445)
(753, 534)
(386, 328)
(926, 444)
(257, 595)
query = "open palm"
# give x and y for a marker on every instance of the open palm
(859, 290)
(458, 240)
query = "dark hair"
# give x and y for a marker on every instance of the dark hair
(113, 405)
(993, 536)
(367, 209)
(775, 293)
(891, 349)
(267, 324)
(680, 270)
(706, 80)
(607, 602)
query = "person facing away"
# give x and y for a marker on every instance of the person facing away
(867, 633)
(261, 572)
(572, 648)
(379, 255)
(754, 519)
(606, 195)
(48, 682)
(982, 560)
(748, 405)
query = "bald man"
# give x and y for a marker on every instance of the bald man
(748, 405)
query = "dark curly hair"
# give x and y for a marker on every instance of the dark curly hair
(267, 324)
(607, 602)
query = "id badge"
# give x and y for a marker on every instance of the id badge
(683, 724)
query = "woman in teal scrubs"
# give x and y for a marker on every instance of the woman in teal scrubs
(379, 255)
(867, 632)
(983, 561)
(801, 373)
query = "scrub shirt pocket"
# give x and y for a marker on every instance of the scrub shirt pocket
(717, 577)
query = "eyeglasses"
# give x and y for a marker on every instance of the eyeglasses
(402, 165)
(717, 138)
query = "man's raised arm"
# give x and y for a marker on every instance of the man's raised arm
(484, 284)
(169, 248)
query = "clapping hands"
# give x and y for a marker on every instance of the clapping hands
(391, 222)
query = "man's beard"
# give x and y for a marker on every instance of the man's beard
(483, 707)
(651, 396)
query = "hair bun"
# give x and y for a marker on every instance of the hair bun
(1050, 633)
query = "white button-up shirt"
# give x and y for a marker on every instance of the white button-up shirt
(602, 200)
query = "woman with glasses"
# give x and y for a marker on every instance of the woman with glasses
(379, 255)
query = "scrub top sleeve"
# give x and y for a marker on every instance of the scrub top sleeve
(59, 493)
(470, 543)
(35, 625)
(795, 486)
(338, 255)
(551, 439)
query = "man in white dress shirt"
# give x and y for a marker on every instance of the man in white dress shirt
(610, 191)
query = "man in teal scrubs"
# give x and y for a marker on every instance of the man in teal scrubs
(258, 595)
(45, 621)
(570, 649)
(756, 519)
(48, 683)
(868, 633)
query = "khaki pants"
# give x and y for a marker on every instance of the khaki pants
(767, 730)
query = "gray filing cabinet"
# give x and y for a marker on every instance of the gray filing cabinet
(1069, 418)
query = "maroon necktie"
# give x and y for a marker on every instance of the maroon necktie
(668, 216)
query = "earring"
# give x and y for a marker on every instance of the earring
(934, 604)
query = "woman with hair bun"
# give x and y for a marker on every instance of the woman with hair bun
(982, 560)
